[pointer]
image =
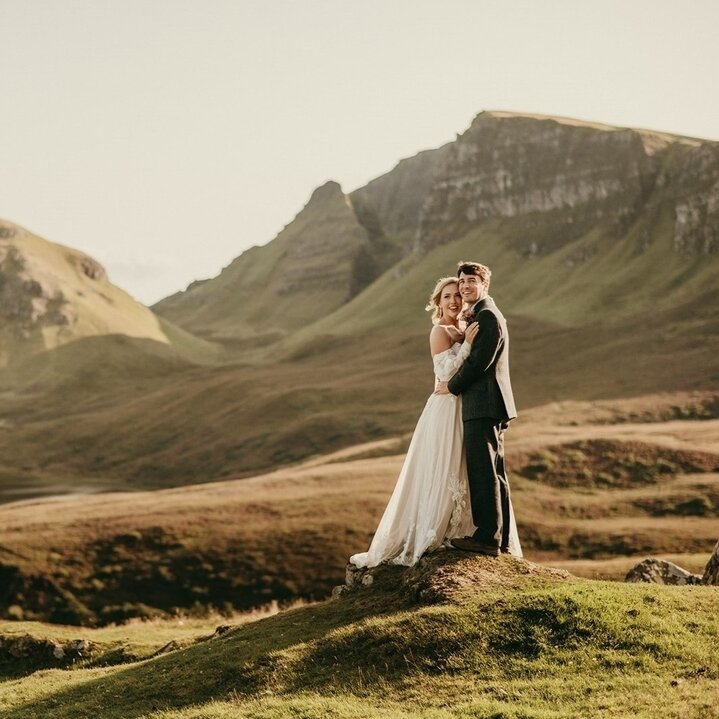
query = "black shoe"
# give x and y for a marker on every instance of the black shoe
(469, 544)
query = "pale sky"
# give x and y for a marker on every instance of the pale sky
(164, 137)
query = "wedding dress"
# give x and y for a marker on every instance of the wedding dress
(430, 502)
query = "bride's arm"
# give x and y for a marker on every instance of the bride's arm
(446, 363)
(439, 340)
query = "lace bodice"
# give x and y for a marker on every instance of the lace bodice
(448, 362)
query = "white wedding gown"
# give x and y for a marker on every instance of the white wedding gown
(430, 502)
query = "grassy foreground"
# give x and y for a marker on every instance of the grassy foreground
(537, 648)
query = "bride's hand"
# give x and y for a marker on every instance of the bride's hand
(471, 332)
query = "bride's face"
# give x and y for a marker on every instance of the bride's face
(450, 302)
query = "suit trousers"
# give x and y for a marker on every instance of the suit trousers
(488, 485)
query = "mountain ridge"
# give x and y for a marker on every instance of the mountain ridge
(535, 184)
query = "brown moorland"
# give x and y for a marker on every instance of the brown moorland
(596, 486)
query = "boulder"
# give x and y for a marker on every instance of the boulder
(660, 571)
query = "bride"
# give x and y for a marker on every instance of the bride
(430, 502)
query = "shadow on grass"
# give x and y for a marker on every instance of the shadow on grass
(237, 663)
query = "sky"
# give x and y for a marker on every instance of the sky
(164, 137)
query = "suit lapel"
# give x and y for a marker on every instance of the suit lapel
(479, 305)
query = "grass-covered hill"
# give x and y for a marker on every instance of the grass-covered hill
(135, 418)
(319, 260)
(511, 640)
(52, 297)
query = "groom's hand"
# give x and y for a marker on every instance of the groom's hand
(441, 388)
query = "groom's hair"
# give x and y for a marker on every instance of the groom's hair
(474, 268)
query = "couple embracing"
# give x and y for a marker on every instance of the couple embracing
(452, 490)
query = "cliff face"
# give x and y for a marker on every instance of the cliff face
(692, 184)
(567, 177)
(394, 200)
(564, 177)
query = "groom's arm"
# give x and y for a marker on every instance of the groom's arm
(483, 353)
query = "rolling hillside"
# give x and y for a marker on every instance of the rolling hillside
(604, 251)
(307, 359)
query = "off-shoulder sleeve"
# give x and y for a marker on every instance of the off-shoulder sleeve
(448, 362)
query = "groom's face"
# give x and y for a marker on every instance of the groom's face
(471, 288)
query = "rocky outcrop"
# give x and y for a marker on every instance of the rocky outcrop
(693, 181)
(24, 653)
(394, 200)
(315, 256)
(567, 176)
(26, 302)
(660, 571)
(711, 571)
(440, 576)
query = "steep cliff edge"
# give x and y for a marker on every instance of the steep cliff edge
(394, 200)
(565, 177)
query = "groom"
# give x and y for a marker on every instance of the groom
(487, 407)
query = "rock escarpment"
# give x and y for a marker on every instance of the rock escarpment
(393, 201)
(692, 180)
(571, 176)
(564, 177)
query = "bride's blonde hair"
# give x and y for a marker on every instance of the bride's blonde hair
(433, 305)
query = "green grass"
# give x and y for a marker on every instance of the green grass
(27, 647)
(577, 649)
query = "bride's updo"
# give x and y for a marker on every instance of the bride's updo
(433, 305)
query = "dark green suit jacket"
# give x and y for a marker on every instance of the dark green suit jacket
(483, 380)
